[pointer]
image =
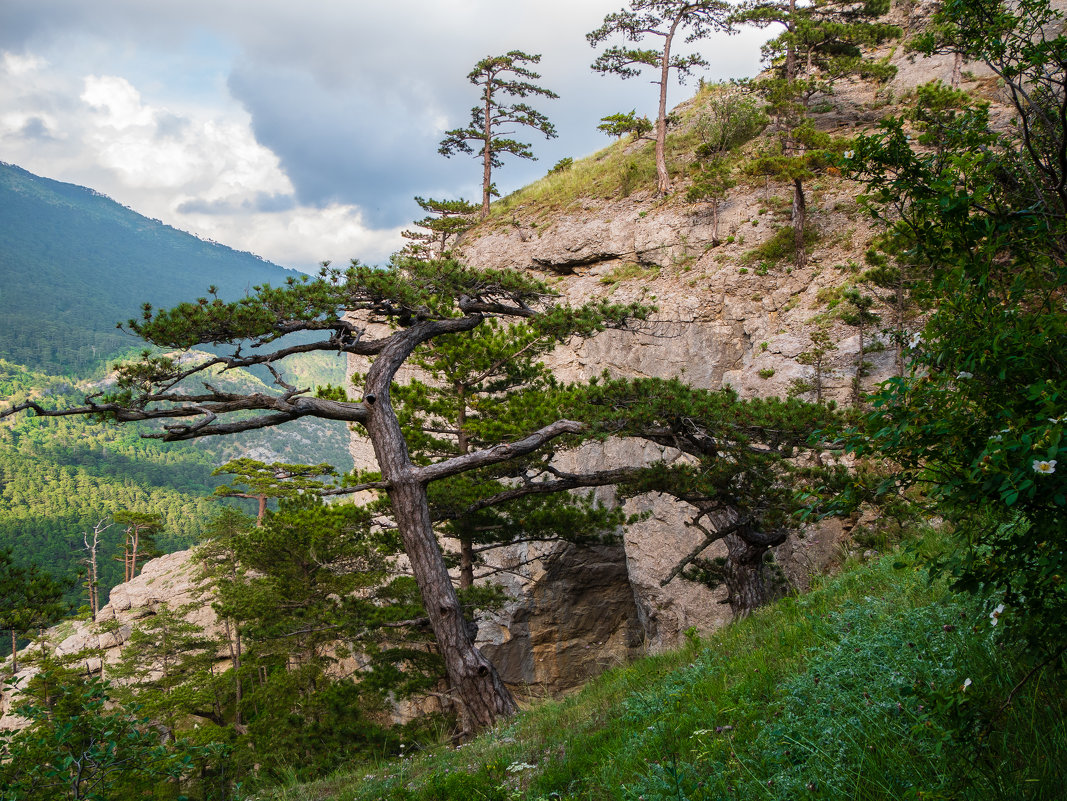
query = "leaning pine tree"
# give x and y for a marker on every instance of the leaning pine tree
(342, 312)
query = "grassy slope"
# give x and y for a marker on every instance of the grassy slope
(852, 691)
(619, 170)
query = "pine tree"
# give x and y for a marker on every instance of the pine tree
(663, 19)
(821, 44)
(500, 77)
(420, 301)
(465, 398)
(165, 666)
(445, 222)
(620, 125)
(29, 599)
(262, 481)
(140, 543)
(858, 311)
(757, 471)
(313, 588)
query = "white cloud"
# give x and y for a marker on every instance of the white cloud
(18, 66)
(297, 131)
(304, 237)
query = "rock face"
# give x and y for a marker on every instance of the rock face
(726, 316)
(577, 617)
(717, 323)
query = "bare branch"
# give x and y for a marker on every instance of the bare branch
(498, 453)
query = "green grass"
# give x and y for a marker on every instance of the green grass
(627, 272)
(853, 691)
(619, 170)
(781, 246)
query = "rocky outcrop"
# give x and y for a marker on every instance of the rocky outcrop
(576, 617)
(171, 579)
(726, 315)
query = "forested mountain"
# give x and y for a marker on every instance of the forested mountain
(73, 263)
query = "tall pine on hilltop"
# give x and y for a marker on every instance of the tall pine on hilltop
(500, 77)
(662, 19)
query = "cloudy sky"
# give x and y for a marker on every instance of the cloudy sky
(298, 131)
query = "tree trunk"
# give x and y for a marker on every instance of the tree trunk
(14, 653)
(746, 576)
(480, 694)
(487, 148)
(466, 562)
(466, 545)
(800, 208)
(133, 553)
(957, 71)
(790, 50)
(663, 178)
(857, 381)
(233, 643)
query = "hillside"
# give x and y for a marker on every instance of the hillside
(73, 263)
(873, 686)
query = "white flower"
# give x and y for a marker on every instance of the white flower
(849, 154)
(994, 616)
(518, 767)
(1044, 467)
(996, 438)
(963, 374)
(914, 340)
(966, 683)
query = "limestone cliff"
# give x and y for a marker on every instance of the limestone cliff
(724, 317)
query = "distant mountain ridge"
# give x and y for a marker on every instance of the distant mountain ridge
(73, 263)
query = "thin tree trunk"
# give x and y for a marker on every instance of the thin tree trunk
(14, 653)
(900, 327)
(663, 178)
(466, 562)
(233, 643)
(790, 50)
(957, 70)
(487, 148)
(800, 208)
(133, 554)
(857, 381)
(466, 544)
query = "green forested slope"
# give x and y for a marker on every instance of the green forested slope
(74, 262)
(58, 477)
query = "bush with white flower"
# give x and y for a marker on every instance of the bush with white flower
(978, 420)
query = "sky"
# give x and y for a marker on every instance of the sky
(298, 131)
